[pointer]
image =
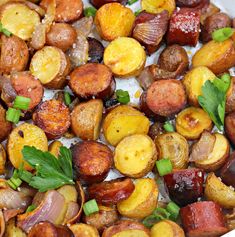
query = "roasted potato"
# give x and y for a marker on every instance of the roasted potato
(193, 82)
(230, 97)
(218, 156)
(19, 19)
(86, 119)
(54, 148)
(61, 35)
(25, 135)
(126, 228)
(51, 66)
(106, 217)
(227, 172)
(2, 159)
(113, 20)
(174, 147)
(142, 201)
(135, 155)
(208, 11)
(156, 6)
(84, 230)
(14, 54)
(5, 126)
(167, 228)
(217, 56)
(124, 121)
(218, 192)
(192, 121)
(125, 57)
(12, 230)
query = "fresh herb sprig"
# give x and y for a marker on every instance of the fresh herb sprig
(213, 99)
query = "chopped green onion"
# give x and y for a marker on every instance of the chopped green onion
(67, 98)
(164, 166)
(138, 12)
(168, 127)
(16, 181)
(5, 31)
(90, 11)
(130, 2)
(123, 96)
(90, 207)
(26, 176)
(13, 115)
(21, 102)
(13, 186)
(222, 34)
(31, 208)
(173, 209)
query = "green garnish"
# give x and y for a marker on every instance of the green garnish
(222, 34)
(130, 2)
(213, 99)
(90, 11)
(123, 96)
(31, 208)
(13, 115)
(21, 102)
(168, 127)
(5, 31)
(138, 12)
(173, 209)
(164, 166)
(90, 207)
(51, 173)
(67, 98)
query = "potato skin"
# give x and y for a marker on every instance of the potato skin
(230, 127)
(14, 54)
(92, 161)
(5, 126)
(111, 192)
(126, 225)
(53, 117)
(61, 35)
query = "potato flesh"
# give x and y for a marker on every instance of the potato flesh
(133, 154)
(131, 233)
(84, 230)
(45, 64)
(162, 229)
(156, 6)
(69, 192)
(54, 148)
(32, 136)
(20, 20)
(125, 57)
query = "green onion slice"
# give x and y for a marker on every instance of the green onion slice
(222, 34)
(67, 98)
(90, 11)
(173, 209)
(5, 31)
(90, 207)
(123, 96)
(164, 166)
(168, 127)
(13, 115)
(130, 2)
(12, 185)
(138, 12)
(21, 102)
(31, 208)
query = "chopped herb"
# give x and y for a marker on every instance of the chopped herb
(168, 127)
(21, 102)
(13, 115)
(222, 34)
(31, 208)
(90, 11)
(164, 167)
(123, 96)
(67, 98)
(138, 12)
(5, 31)
(173, 209)
(90, 207)
(130, 2)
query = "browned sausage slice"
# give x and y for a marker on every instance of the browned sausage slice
(66, 10)
(53, 117)
(25, 84)
(166, 97)
(92, 80)
(5, 126)
(92, 160)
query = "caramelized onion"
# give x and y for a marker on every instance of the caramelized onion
(9, 214)
(83, 25)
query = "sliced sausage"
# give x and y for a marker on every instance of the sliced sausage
(99, 3)
(14, 54)
(230, 127)
(228, 171)
(5, 126)
(111, 192)
(96, 50)
(203, 219)
(61, 35)
(166, 97)
(66, 10)
(92, 80)
(25, 84)
(212, 23)
(92, 161)
(53, 117)
(188, 3)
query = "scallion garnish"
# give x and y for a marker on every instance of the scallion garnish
(130, 2)
(173, 209)
(138, 12)
(67, 98)
(21, 102)
(90, 207)
(31, 208)
(5, 31)
(123, 96)
(90, 11)
(12, 185)
(222, 34)
(13, 115)
(168, 127)
(164, 166)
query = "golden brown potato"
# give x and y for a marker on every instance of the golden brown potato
(61, 35)
(125, 57)
(217, 56)
(14, 54)
(209, 11)
(5, 126)
(84, 230)
(142, 201)
(12, 230)
(175, 147)
(106, 217)
(86, 119)
(167, 228)
(2, 159)
(25, 135)
(113, 20)
(126, 228)
(19, 19)
(156, 6)
(124, 121)
(218, 156)
(191, 122)
(193, 82)
(218, 192)
(135, 155)
(51, 66)
(54, 148)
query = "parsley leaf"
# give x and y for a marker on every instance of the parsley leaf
(51, 173)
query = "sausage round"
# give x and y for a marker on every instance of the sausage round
(53, 117)
(5, 126)
(92, 161)
(166, 97)
(61, 35)
(92, 80)
(96, 50)
(230, 127)
(188, 3)
(228, 171)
